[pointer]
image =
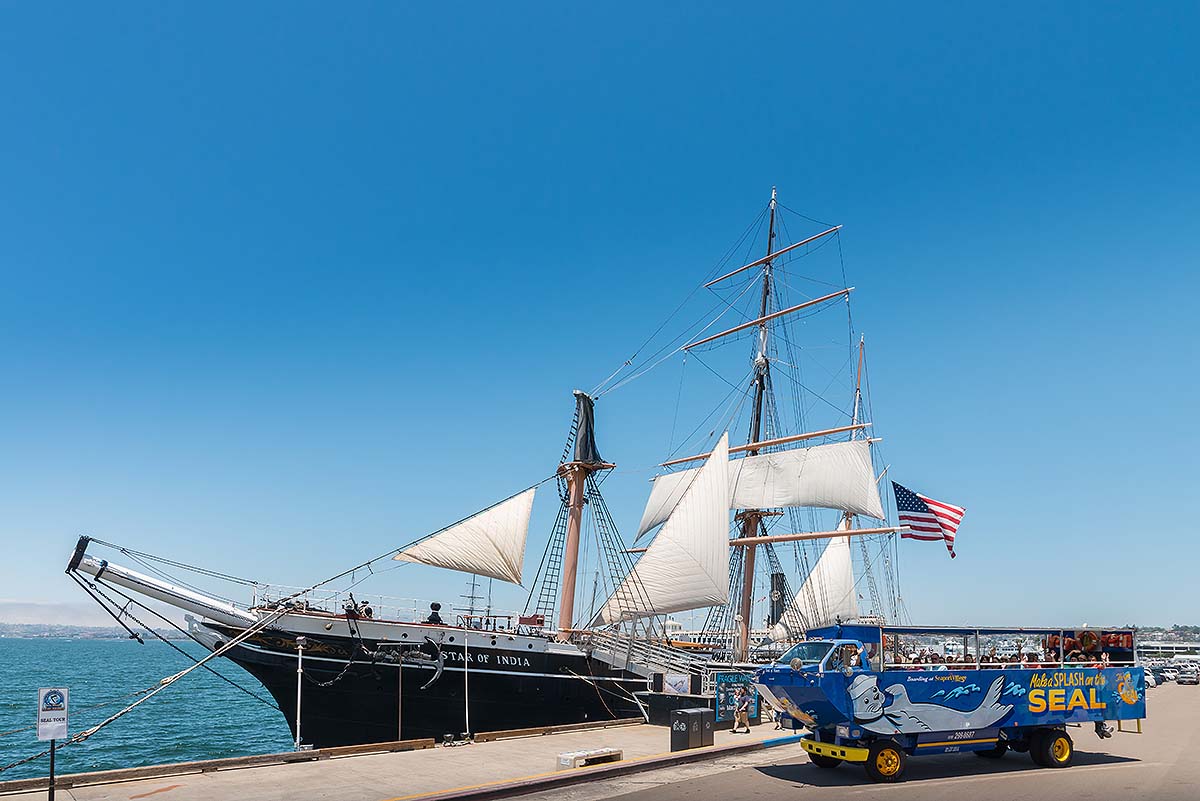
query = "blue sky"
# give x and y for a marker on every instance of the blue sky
(286, 287)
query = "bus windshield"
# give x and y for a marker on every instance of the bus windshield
(807, 652)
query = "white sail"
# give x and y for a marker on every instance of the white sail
(687, 565)
(828, 594)
(834, 476)
(491, 543)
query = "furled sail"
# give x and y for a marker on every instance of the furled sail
(687, 565)
(834, 476)
(491, 543)
(828, 594)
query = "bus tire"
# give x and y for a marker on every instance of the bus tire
(1035, 746)
(1052, 748)
(886, 761)
(995, 752)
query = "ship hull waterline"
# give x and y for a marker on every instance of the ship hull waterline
(350, 698)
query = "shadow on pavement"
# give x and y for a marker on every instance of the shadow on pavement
(926, 768)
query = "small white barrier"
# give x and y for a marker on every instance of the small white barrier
(579, 759)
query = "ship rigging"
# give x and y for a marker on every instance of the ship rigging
(578, 653)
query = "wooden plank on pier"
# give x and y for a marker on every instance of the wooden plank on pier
(489, 736)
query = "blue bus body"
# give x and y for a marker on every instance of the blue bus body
(935, 708)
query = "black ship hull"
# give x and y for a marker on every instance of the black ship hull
(353, 691)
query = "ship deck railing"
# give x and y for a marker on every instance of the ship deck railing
(387, 609)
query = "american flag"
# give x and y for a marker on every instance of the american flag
(929, 519)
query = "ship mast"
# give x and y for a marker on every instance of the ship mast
(587, 461)
(848, 516)
(871, 584)
(576, 474)
(751, 518)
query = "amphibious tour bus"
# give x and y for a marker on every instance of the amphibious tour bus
(878, 695)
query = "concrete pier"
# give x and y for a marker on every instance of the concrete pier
(506, 766)
(1158, 764)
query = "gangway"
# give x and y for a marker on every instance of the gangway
(643, 657)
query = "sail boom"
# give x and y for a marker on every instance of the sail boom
(768, 317)
(773, 256)
(815, 535)
(769, 443)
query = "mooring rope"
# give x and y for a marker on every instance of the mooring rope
(163, 684)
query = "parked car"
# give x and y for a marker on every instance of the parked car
(1150, 680)
(1188, 677)
(1170, 674)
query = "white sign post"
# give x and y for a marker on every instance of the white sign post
(52, 713)
(52, 721)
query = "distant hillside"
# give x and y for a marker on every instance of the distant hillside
(1175, 633)
(83, 618)
(58, 631)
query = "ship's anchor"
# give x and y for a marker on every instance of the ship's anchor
(416, 656)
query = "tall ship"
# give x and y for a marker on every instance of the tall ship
(781, 532)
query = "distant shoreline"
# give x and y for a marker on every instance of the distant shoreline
(55, 631)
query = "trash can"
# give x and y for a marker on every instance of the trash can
(708, 724)
(688, 726)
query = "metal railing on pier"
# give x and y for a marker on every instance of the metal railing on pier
(637, 655)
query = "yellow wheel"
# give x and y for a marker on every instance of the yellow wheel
(1060, 749)
(1053, 748)
(885, 761)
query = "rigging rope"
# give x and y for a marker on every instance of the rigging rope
(805, 216)
(281, 608)
(599, 388)
(75, 709)
(183, 565)
(685, 337)
(79, 737)
(130, 600)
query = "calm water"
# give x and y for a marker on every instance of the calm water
(199, 717)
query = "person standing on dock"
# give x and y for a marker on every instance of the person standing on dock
(741, 715)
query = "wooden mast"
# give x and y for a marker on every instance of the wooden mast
(857, 407)
(750, 518)
(576, 472)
